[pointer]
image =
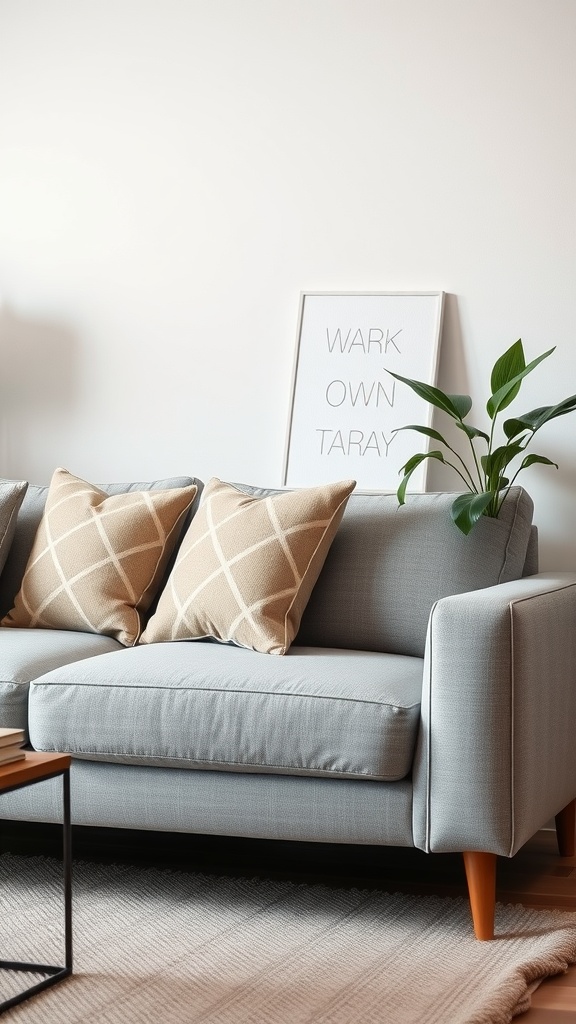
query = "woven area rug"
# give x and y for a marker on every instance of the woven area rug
(157, 946)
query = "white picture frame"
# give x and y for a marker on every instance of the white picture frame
(346, 411)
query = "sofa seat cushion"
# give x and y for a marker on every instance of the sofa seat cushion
(321, 712)
(27, 653)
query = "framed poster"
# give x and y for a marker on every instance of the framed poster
(346, 410)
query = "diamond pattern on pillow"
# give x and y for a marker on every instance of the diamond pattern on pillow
(97, 559)
(246, 566)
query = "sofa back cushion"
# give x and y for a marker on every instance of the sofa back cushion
(29, 518)
(388, 565)
(531, 565)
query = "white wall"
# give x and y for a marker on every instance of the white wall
(174, 172)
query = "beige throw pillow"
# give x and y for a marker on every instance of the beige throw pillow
(97, 559)
(246, 566)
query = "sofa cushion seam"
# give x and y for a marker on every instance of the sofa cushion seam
(240, 764)
(204, 689)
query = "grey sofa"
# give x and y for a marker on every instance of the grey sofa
(429, 700)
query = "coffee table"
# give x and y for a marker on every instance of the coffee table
(37, 767)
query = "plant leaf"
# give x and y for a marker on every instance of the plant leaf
(538, 417)
(429, 431)
(531, 459)
(457, 406)
(503, 396)
(495, 462)
(409, 468)
(514, 427)
(506, 367)
(472, 432)
(462, 404)
(467, 509)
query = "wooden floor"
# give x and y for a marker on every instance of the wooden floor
(536, 877)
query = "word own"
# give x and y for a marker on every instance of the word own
(340, 392)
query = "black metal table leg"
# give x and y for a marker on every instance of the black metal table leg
(67, 863)
(54, 974)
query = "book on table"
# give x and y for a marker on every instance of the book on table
(11, 743)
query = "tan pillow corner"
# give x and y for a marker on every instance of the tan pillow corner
(247, 566)
(97, 559)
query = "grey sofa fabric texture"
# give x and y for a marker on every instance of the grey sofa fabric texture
(320, 712)
(496, 756)
(26, 653)
(388, 565)
(224, 803)
(29, 518)
(531, 565)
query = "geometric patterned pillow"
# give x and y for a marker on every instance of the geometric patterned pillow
(98, 559)
(246, 566)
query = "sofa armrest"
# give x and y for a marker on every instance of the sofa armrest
(496, 755)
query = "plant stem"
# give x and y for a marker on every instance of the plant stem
(470, 481)
(477, 464)
(519, 470)
(492, 426)
(456, 470)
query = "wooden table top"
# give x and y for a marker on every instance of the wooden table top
(35, 765)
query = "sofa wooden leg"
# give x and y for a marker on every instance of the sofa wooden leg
(481, 878)
(566, 829)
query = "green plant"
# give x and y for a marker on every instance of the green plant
(485, 475)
